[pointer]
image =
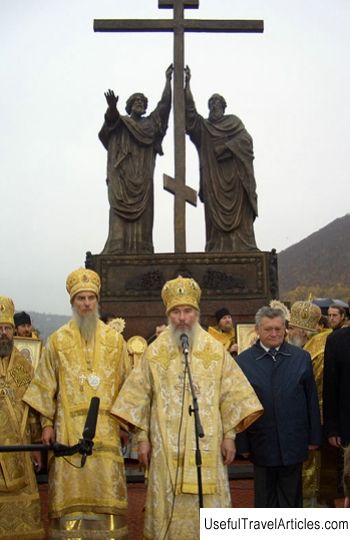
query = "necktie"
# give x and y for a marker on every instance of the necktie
(272, 352)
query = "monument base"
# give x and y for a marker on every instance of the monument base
(131, 285)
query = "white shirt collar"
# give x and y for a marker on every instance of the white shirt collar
(268, 348)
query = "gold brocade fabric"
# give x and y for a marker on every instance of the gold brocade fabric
(315, 346)
(79, 526)
(69, 374)
(136, 346)
(226, 338)
(20, 514)
(311, 477)
(156, 399)
(313, 466)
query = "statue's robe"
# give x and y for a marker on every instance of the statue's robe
(20, 513)
(227, 182)
(155, 400)
(92, 498)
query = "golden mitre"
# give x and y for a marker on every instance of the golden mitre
(277, 304)
(305, 315)
(83, 280)
(181, 292)
(7, 310)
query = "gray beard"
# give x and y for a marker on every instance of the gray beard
(86, 323)
(297, 341)
(176, 333)
(6, 346)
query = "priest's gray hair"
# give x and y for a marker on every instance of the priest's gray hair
(270, 313)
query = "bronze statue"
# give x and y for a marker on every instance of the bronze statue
(132, 143)
(227, 182)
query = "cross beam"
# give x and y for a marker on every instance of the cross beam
(178, 25)
(168, 25)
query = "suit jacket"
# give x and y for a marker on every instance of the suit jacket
(336, 385)
(287, 390)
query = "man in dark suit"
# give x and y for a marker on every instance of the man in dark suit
(336, 386)
(278, 442)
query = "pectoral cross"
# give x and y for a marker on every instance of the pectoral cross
(178, 25)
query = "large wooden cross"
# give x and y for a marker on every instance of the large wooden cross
(178, 25)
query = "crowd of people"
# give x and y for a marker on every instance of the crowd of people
(283, 403)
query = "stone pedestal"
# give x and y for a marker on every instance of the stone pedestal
(131, 285)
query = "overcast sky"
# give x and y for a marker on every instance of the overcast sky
(289, 85)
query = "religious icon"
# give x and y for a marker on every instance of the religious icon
(246, 336)
(30, 348)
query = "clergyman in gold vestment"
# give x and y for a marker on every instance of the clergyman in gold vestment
(83, 359)
(224, 331)
(20, 514)
(155, 400)
(319, 471)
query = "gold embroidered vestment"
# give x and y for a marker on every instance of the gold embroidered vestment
(156, 398)
(69, 374)
(20, 514)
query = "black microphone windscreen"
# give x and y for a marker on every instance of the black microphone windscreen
(184, 341)
(91, 419)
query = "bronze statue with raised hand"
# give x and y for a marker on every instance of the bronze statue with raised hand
(132, 143)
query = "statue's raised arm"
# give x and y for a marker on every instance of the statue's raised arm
(164, 105)
(187, 77)
(112, 100)
(169, 72)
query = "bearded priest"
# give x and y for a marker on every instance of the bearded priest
(81, 360)
(155, 402)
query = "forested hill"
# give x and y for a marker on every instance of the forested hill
(319, 264)
(47, 323)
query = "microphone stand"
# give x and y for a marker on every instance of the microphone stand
(84, 446)
(199, 433)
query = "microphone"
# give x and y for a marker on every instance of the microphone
(89, 430)
(91, 419)
(185, 344)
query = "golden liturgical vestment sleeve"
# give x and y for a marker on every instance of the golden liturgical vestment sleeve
(156, 398)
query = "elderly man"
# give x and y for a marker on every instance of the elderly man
(156, 399)
(278, 443)
(227, 181)
(224, 330)
(83, 359)
(132, 143)
(319, 478)
(20, 517)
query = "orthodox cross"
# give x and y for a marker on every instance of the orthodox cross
(178, 25)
